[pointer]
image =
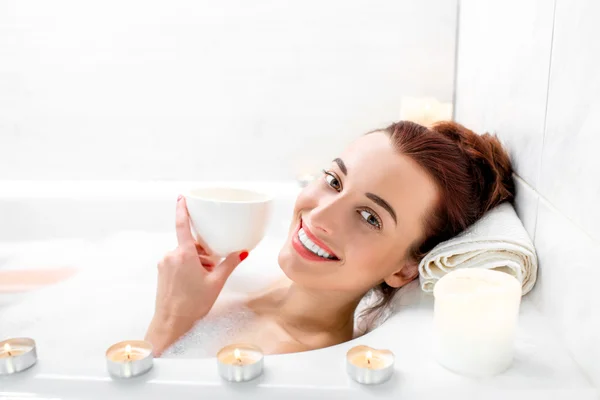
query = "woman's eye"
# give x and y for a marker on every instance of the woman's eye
(332, 181)
(370, 218)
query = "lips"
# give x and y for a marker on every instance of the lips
(316, 241)
(307, 254)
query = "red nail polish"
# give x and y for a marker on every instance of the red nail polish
(243, 255)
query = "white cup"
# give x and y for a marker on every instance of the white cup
(228, 219)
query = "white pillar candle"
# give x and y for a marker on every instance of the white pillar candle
(475, 318)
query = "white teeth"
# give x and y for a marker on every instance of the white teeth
(310, 245)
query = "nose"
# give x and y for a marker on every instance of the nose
(326, 217)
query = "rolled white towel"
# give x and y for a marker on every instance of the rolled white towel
(497, 241)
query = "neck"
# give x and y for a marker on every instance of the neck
(314, 311)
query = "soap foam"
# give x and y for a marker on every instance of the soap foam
(112, 298)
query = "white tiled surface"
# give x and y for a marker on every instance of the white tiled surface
(205, 90)
(503, 60)
(567, 291)
(570, 176)
(504, 86)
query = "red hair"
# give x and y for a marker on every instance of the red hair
(473, 174)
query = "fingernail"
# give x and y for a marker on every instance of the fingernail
(179, 197)
(243, 255)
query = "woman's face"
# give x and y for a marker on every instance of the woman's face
(353, 225)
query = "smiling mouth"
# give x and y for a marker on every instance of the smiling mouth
(312, 247)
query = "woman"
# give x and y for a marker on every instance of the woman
(363, 226)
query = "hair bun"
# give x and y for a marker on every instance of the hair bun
(490, 163)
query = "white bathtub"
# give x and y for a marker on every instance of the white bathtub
(123, 227)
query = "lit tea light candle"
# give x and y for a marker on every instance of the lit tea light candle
(475, 318)
(240, 362)
(17, 355)
(369, 366)
(129, 358)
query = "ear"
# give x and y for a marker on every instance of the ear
(407, 273)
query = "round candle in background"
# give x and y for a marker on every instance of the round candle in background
(240, 362)
(305, 179)
(129, 358)
(17, 355)
(369, 366)
(475, 319)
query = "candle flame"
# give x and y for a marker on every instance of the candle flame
(237, 355)
(128, 351)
(7, 348)
(369, 355)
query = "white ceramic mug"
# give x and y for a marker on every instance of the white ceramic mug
(228, 219)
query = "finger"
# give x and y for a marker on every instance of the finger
(207, 260)
(209, 268)
(182, 225)
(200, 250)
(223, 270)
(201, 246)
(208, 263)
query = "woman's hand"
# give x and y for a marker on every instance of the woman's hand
(188, 284)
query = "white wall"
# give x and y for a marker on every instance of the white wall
(528, 70)
(219, 90)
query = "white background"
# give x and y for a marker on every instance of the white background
(208, 90)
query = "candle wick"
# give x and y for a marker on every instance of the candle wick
(9, 353)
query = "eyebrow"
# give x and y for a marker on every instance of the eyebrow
(381, 202)
(384, 204)
(341, 164)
